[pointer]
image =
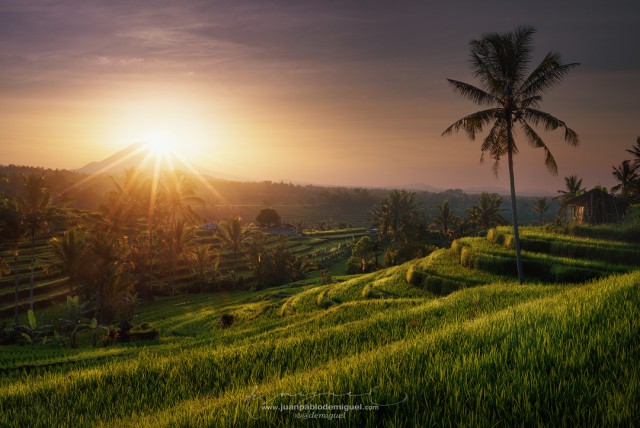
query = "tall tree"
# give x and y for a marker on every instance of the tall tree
(573, 186)
(181, 240)
(177, 195)
(205, 263)
(37, 210)
(635, 151)
(12, 229)
(107, 277)
(627, 175)
(70, 250)
(541, 206)
(126, 202)
(234, 236)
(500, 61)
(395, 214)
(268, 217)
(445, 218)
(487, 212)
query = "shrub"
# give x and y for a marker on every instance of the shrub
(415, 277)
(535, 245)
(497, 264)
(441, 286)
(509, 242)
(572, 274)
(368, 292)
(144, 331)
(456, 247)
(468, 258)
(493, 235)
(226, 320)
(322, 301)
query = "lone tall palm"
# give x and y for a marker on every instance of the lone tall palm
(500, 61)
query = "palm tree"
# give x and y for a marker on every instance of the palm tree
(106, 272)
(177, 194)
(71, 251)
(395, 213)
(627, 174)
(573, 184)
(234, 236)
(635, 151)
(12, 229)
(500, 62)
(541, 206)
(486, 214)
(181, 241)
(204, 261)
(299, 266)
(445, 218)
(126, 202)
(36, 208)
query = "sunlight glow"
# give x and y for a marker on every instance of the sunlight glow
(158, 142)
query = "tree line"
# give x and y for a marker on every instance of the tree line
(145, 230)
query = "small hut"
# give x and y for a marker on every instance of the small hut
(597, 206)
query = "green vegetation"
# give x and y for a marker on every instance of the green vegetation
(437, 342)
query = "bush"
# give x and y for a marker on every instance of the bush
(572, 274)
(493, 235)
(415, 277)
(441, 286)
(468, 258)
(226, 320)
(144, 331)
(323, 301)
(456, 247)
(536, 245)
(497, 264)
(509, 242)
(368, 292)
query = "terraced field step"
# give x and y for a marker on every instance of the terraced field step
(539, 241)
(480, 253)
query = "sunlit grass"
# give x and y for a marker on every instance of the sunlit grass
(494, 353)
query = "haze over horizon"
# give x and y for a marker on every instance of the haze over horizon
(321, 92)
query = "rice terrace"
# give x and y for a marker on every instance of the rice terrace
(243, 246)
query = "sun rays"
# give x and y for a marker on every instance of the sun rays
(160, 160)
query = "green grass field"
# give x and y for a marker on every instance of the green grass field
(465, 346)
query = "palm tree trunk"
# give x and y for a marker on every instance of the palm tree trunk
(33, 266)
(516, 233)
(150, 279)
(17, 286)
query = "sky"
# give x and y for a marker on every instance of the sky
(326, 92)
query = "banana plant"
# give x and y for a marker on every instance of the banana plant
(76, 320)
(34, 332)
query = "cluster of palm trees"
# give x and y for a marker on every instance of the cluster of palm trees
(405, 231)
(487, 213)
(23, 217)
(106, 256)
(402, 227)
(146, 225)
(628, 176)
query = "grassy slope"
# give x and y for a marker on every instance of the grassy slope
(495, 354)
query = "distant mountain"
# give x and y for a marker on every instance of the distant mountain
(137, 155)
(421, 187)
(506, 192)
(477, 190)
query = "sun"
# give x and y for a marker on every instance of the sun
(159, 142)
